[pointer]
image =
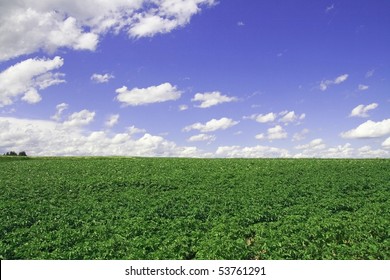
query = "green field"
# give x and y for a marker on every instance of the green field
(169, 208)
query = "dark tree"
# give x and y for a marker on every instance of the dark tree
(22, 154)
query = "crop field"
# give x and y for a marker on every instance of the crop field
(169, 208)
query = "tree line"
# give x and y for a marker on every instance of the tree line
(12, 153)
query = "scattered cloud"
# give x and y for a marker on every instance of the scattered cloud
(240, 23)
(209, 99)
(299, 136)
(251, 152)
(369, 129)
(361, 110)
(316, 144)
(49, 138)
(183, 107)
(386, 143)
(202, 137)
(50, 25)
(59, 109)
(212, 125)
(112, 120)
(274, 133)
(24, 79)
(99, 78)
(286, 117)
(270, 117)
(143, 96)
(363, 87)
(135, 130)
(338, 80)
(290, 117)
(79, 119)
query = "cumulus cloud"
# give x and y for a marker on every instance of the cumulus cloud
(59, 109)
(212, 125)
(79, 119)
(299, 136)
(290, 117)
(24, 79)
(101, 78)
(273, 133)
(316, 144)
(369, 129)
(286, 117)
(361, 110)
(27, 26)
(135, 130)
(341, 151)
(386, 143)
(209, 99)
(112, 120)
(264, 118)
(276, 132)
(338, 80)
(49, 138)
(143, 96)
(251, 152)
(201, 137)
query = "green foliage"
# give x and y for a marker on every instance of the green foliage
(161, 208)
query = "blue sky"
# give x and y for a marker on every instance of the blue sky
(195, 78)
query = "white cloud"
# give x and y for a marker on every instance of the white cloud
(165, 16)
(369, 129)
(341, 151)
(60, 108)
(49, 138)
(212, 125)
(299, 136)
(361, 110)
(260, 136)
(275, 133)
(386, 143)
(201, 137)
(363, 87)
(24, 79)
(27, 26)
(286, 117)
(251, 152)
(99, 78)
(270, 117)
(183, 107)
(341, 79)
(289, 117)
(338, 80)
(81, 118)
(135, 130)
(240, 23)
(209, 99)
(112, 120)
(316, 144)
(153, 94)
